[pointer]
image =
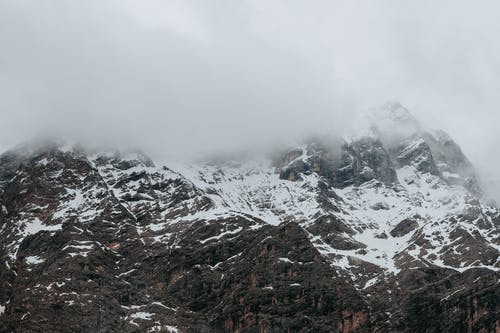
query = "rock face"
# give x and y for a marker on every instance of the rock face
(384, 232)
(341, 163)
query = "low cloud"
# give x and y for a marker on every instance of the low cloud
(184, 77)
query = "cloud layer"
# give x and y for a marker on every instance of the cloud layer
(184, 77)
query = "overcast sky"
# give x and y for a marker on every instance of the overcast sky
(185, 76)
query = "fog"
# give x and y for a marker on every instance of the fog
(181, 78)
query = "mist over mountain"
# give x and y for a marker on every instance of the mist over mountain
(249, 166)
(387, 229)
(159, 72)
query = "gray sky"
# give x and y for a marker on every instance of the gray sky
(184, 76)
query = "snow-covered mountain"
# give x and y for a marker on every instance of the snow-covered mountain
(386, 230)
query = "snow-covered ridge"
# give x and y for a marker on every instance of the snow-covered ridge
(362, 200)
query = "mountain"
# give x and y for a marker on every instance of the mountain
(492, 187)
(384, 231)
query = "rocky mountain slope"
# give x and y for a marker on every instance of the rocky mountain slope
(385, 231)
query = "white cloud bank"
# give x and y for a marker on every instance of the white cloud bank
(183, 77)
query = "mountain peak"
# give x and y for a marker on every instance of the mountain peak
(393, 113)
(390, 120)
(396, 111)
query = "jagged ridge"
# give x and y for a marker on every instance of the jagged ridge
(387, 218)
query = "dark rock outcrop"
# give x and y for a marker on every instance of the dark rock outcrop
(341, 163)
